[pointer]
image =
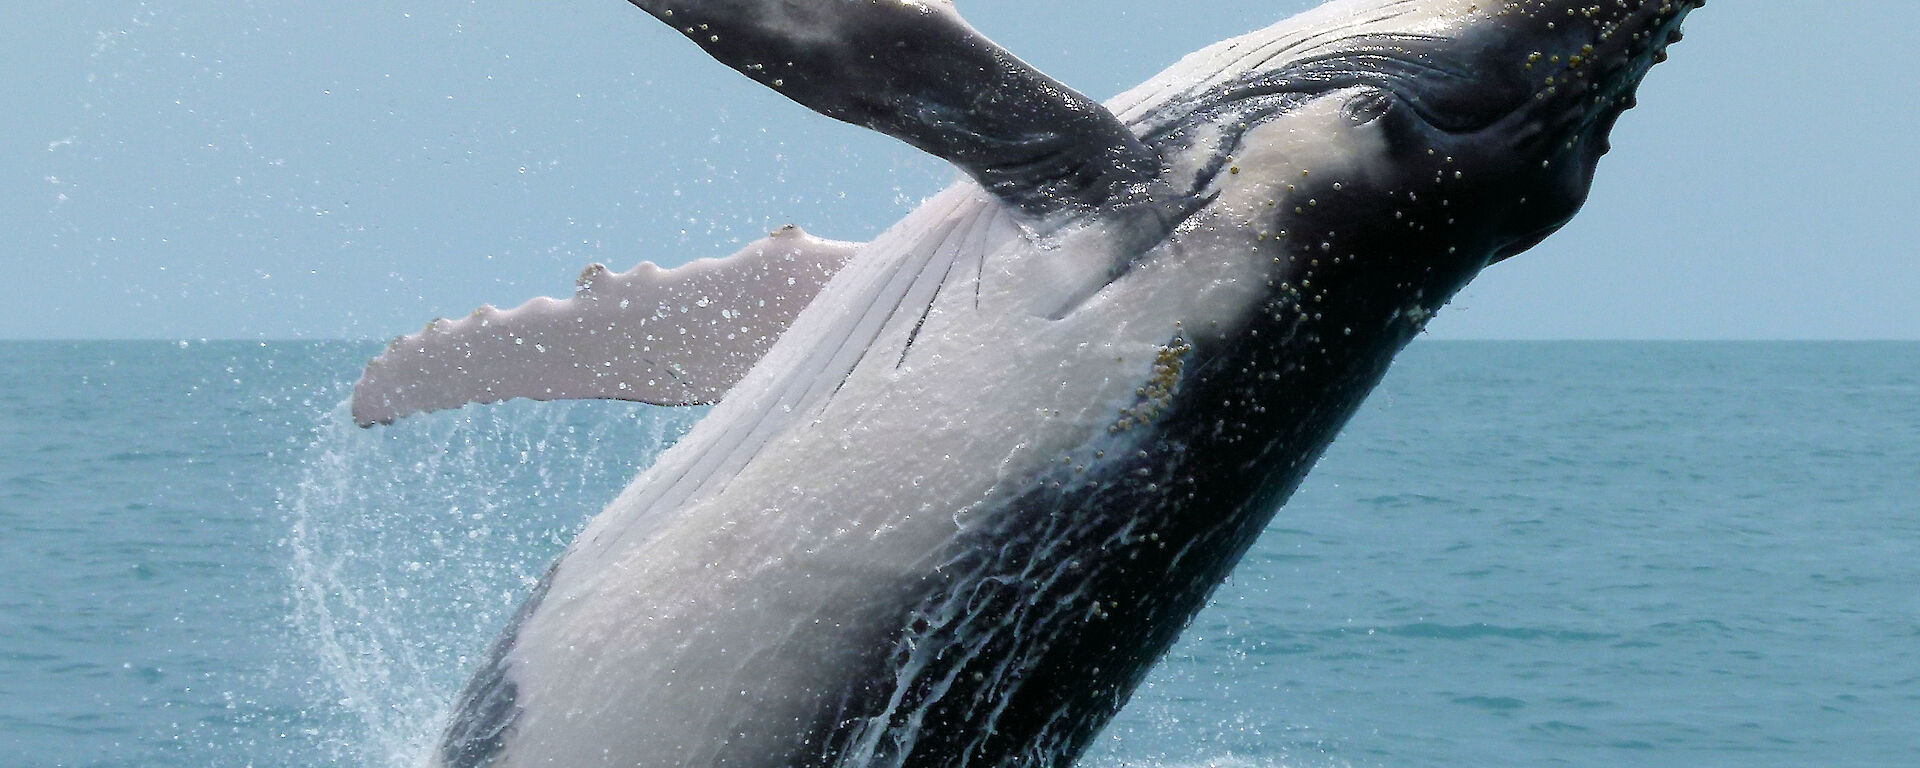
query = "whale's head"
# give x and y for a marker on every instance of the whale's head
(1527, 92)
(1509, 102)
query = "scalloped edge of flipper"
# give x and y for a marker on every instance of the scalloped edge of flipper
(680, 336)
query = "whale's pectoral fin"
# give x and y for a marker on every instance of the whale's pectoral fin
(912, 69)
(679, 336)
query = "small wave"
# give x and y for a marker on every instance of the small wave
(1478, 631)
(1223, 761)
(1492, 703)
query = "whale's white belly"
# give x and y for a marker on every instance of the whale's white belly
(722, 601)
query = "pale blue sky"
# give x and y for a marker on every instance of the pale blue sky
(297, 168)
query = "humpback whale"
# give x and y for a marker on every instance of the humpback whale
(965, 483)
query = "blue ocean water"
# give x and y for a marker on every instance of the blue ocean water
(1576, 554)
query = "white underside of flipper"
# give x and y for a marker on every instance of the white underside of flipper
(679, 336)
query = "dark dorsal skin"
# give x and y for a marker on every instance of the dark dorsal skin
(916, 72)
(1090, 576)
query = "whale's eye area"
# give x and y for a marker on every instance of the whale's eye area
(1367, 107)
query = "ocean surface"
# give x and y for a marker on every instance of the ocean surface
(1565, 554)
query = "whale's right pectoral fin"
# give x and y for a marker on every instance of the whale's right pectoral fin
(679, 336)
(912, 69)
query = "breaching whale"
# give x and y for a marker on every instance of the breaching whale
(965, 483)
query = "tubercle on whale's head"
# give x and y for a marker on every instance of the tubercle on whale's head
(1557, 75)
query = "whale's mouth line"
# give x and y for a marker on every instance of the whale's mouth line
(1395, 63)
(1565, 87)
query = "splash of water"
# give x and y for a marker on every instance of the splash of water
(410, 546)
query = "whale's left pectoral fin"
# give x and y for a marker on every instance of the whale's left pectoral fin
(679, 336)
(912, 69)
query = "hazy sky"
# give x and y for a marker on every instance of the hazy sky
(297, 168)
